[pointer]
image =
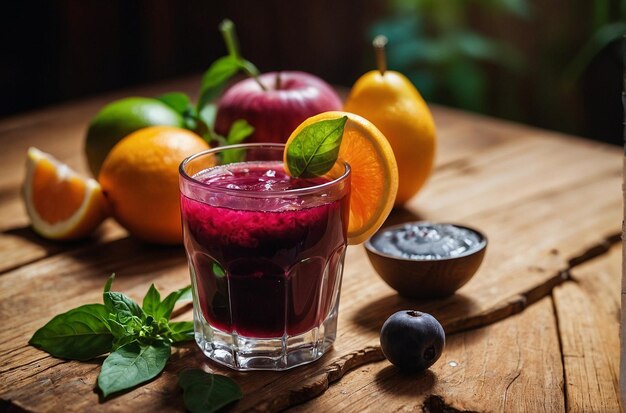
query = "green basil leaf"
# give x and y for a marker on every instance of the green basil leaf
(118, 329)
(205, 392)
(314, 151)
(132, 364)
(185, 295)
(167, 305)
(122, 341)
(130, 322)
(176, 100)
(79, 334)
(151, 301)
(107, 285)
(119, 303)
(215, 78)
(181, 331)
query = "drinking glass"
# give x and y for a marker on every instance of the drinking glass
(265, 254)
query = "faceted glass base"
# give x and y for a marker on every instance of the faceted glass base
(244, 353)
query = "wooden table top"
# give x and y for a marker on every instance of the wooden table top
(535, 330)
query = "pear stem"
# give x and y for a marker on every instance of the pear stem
(379, 44)
(227, 27)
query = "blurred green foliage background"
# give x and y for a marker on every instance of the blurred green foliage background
(552, 64)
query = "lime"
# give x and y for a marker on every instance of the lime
(119, 119)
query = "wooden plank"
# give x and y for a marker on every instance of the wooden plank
(588, 313)
(501, 178)
(21, 245)
(366, 302)
(510, 366)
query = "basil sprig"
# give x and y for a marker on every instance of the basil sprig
(138, 338)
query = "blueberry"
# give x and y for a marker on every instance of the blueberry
(411, 340)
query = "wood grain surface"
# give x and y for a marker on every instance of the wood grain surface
(588, 310)
(533, 331)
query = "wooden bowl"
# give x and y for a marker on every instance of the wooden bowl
(426, 278)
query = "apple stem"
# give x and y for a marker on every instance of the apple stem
(379, 44)
(278, 84)
(227, 27)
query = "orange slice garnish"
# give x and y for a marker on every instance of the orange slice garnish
(374, 180)
(61, 204)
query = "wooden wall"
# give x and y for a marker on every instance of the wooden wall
(56, 50)
(62, 49)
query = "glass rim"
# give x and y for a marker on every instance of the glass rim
(267, 194)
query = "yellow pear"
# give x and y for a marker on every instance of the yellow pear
(390, 101)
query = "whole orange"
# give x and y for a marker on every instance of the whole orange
(139, 177)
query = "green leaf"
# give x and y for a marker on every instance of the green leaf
(600, 39)
(180, 103)
(467, 80)
(167, 305)
(122, 341)
(107, 285)
(205, 392)
(117, 329)
(251, 70)
(181, 331)
(218, 271)
(207, 115)
(151, 301)
(119, 303)
(314, 151)
(215, 78)
(79, 334)
(176, 100)
(239, 130)
(132, 364)
(521, 8)
(185, 295)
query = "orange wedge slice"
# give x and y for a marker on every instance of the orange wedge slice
(61, 204)
(374, 180)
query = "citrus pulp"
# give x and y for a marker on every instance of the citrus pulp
(60, 203)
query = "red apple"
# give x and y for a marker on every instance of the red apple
(290, 98)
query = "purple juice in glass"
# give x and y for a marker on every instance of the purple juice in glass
(266, 256)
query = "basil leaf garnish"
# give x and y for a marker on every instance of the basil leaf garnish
(206, 392)
(314, 151)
